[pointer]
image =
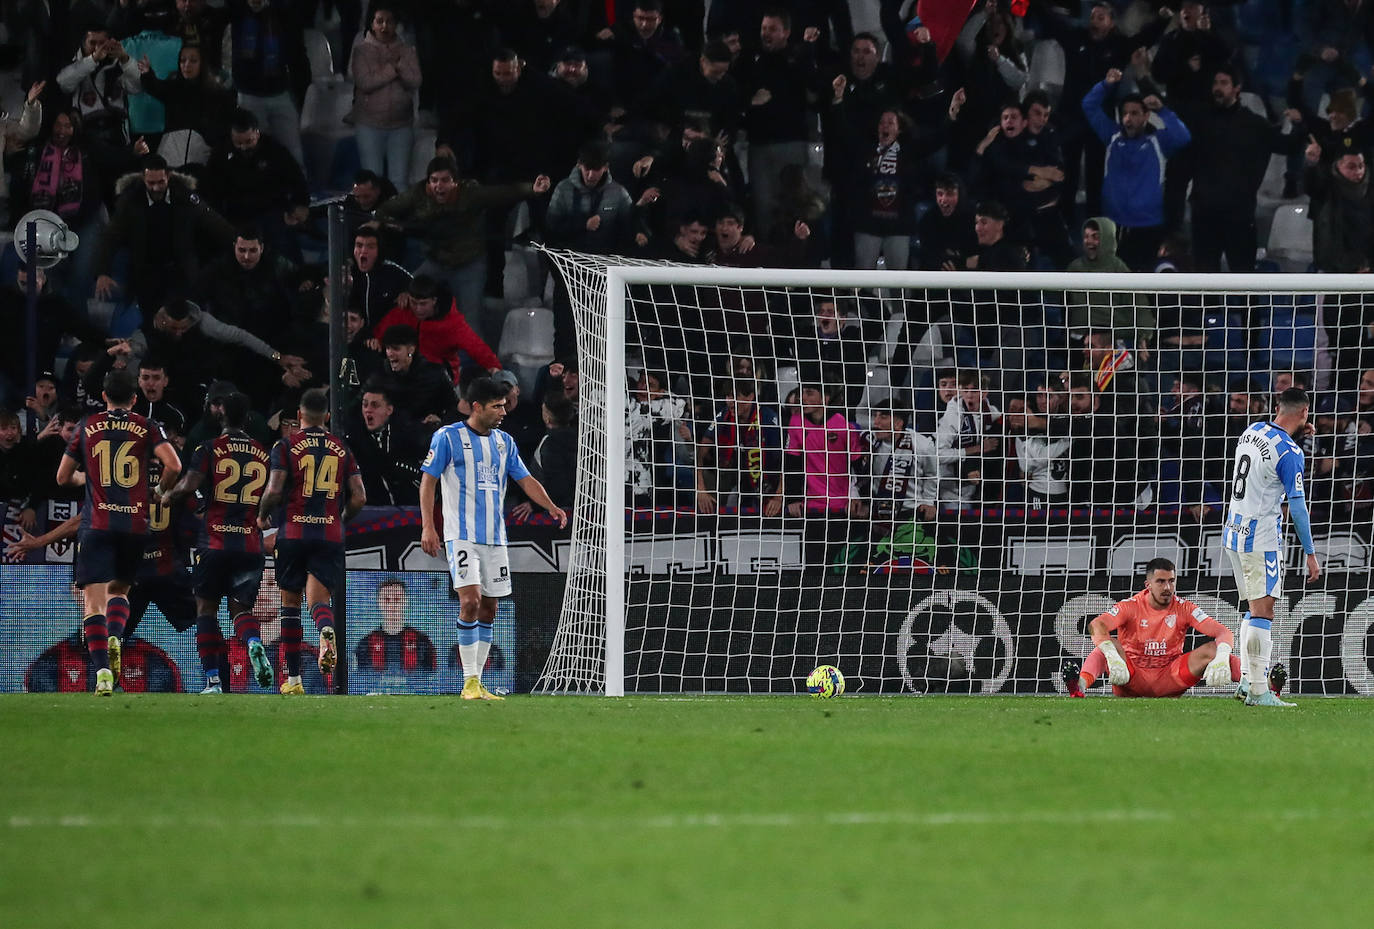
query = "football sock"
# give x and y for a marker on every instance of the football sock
(292, 635)
(97, 640)
(293, 679)
(1257, 646)
(483, 645)
(209, 641)
(1093, 666)
(467, 648)
(322, 614)
(247, 628)
(1235, 667)
(116, 616)
(1240, 643)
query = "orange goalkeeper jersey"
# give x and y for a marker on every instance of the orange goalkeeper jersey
(1152, 638)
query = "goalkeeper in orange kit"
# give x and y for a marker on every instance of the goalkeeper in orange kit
(1146, 658)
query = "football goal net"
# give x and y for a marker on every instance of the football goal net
(936, 481)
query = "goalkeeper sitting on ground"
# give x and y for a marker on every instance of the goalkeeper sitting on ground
(1147, 659)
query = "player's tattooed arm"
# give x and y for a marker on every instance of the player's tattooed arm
(276, 487)
(357, 497)
(188, 484)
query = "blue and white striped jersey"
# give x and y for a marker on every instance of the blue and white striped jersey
(1268, 470)
(472, 470)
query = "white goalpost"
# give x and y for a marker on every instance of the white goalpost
(934, 481)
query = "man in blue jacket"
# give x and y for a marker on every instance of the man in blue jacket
(1133, 184)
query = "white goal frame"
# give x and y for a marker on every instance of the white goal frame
(603, 418)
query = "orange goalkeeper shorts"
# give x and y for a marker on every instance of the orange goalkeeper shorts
(1169, 681)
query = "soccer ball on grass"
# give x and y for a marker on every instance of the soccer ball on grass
(825, 681)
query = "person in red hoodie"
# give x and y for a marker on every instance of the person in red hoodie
(445, 336)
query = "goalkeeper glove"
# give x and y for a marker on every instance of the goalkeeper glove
(1117, 672)
(1218, 673)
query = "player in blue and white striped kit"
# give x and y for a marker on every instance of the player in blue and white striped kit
(472, 461)
(1268, 469)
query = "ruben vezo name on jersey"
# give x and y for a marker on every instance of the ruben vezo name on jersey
(116, 425)
(314, 441)
(1257, 440)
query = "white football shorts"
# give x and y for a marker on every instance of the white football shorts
(487, 565)
(1258, 574)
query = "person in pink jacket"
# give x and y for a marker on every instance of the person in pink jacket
(386, 76)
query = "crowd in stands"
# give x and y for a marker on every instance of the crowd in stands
(752, 133)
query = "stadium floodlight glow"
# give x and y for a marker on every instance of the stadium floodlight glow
(675, 587)
(54, 239)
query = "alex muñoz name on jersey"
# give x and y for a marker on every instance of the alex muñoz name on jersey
(1267, 471)
(472, 470)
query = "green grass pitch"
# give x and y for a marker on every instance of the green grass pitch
(145, 812)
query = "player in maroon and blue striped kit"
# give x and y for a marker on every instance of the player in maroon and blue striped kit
(164, 578)
(115, 450)
(314, 488)
(231, 470)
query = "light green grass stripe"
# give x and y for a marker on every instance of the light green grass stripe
(794, 820)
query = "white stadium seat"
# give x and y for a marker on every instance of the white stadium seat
(528, 331)
(1047, 69)
(319, 53)
(1290, 238)
(421, 151)
(327, 102)
(1253, 103)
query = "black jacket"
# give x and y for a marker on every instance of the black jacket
(1086, 60)
(56, 319)
(244, 186)
(16, 472)
(198, 105)
(424, 389)
(375, 292)
(1231, 149)
(1189, 89)
(946, 239)
(683, 91)
(787, 75)
(554, 464)
(192, 222)
(259, 300)
(390, 460)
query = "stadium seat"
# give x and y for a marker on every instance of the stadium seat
(327, 101)
(1047, 69)
(1253, 103)
(789, 379)
(323, 130)
(319, 53)
(527, 331)
(421, 151)
(11, 94)
(1290, 238)
(1291, 336)
(1225, 349)
(527, 344)
(184, 147)
(878, 388)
